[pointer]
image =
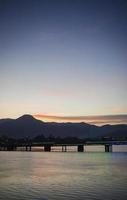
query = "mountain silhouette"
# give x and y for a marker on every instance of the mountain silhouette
(28, 126)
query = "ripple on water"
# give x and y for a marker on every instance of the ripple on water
(60, 176)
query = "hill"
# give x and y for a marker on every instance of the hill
(28, 126)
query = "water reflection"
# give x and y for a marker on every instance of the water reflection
(32, 175)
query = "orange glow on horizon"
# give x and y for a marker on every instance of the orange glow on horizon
(96, 120)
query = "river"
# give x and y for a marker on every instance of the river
(63, 176)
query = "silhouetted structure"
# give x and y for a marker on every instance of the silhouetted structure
(7, 144)
(80, 147)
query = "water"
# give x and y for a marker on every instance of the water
(63, 176)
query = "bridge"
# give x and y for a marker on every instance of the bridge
(64, 147)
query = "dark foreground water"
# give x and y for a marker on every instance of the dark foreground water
(57, 176)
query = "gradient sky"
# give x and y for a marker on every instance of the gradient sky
(63, 57)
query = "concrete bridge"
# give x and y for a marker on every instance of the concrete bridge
(64, 147)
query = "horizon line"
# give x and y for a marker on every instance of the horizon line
(99, 120)
(91, 119)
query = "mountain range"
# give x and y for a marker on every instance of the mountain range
(28, 126)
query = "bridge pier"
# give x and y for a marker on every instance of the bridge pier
(47, 147)
(64, 148)
(80, 148)
(108, 148)
(28, 148)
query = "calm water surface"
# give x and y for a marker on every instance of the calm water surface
(57, 176)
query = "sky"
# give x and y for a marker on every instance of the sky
(64, 58)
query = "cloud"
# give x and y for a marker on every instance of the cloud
(97, 120)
